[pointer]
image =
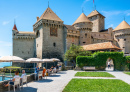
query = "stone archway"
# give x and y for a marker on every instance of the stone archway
(109, 61)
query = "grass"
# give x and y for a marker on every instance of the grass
(97, 85)
(93, 74)
(127, 73)
(11, 67)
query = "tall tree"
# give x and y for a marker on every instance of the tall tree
(75, 51)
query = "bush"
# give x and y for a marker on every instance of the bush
(98, 59)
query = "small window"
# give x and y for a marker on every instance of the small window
(47, 20)
(123, 47)
(84, 42)
(54, 44)
(53, 21)
(22, 52)
(124, 39)
(37, 45)
(118, 40)
(86, 35)
(28, 52)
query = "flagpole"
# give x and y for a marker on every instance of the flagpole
(93, 5)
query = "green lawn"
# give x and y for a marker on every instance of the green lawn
(93, 74)
(97, 85)
(127, 73)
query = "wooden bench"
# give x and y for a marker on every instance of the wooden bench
(89, 68)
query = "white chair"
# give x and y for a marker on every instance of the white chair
(24, 80)
(16, 83)
(39, 74)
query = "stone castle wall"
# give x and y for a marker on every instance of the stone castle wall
(123, 39)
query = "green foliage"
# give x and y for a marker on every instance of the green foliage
(93, 74)
(127, 73)
(98, 59)
(75, 51)
(97, 85)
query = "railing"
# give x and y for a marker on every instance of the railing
(126, 54)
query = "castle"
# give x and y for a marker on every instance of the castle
(51, 37)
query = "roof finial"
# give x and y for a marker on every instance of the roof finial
(48, 3)
(124, 18)
(82, 10)
(93, 5)
(14, 22)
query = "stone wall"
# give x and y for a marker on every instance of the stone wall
(123, 39)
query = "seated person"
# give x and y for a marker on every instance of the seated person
(54, 70)
(12, 82)
(44, 71)
(23, 74)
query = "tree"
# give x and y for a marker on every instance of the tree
(75, 51)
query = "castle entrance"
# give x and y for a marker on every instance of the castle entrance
(109, 65)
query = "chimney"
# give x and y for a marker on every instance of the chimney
(37, 18)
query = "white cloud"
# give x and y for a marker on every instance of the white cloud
(8, 44)
(112, 13)
(111, 25)
(5, 22)
(85, 1)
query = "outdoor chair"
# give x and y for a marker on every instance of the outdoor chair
(16, 83)
(39, 74)
(24, 80)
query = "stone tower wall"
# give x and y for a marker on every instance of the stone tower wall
(98, 23)
(123, 39)
(85, 32)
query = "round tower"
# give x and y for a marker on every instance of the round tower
(84, 25)
(122, 35)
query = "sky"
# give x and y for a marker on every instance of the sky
(25, 12)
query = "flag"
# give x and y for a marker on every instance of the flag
(93, 1)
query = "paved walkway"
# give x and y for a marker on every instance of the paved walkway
(56, 83)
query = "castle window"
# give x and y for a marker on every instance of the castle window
(38, 34)
(54, 44)
(14, 34)
(53, 21)
(84, 42)
(37, 45)
(86, 35)
(22, 52)
(124, 39)
(118, 40)
(28, 52)
(47, 20)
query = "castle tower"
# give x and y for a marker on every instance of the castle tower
(50, 35)
(98, 21)
(122, 35)
(84, 25)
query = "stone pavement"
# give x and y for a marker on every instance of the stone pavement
(56, 83)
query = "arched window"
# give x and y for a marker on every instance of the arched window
(38, 34)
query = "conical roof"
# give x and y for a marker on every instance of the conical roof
(82, 18)
(50, 15)
(93, 13)
(14, 28)
(122, 25)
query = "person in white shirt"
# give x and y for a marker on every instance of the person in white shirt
(12, 82)
(23, 74)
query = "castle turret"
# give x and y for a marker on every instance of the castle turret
(122, 35)
(98, 21)
(84, 25)
(50, 35)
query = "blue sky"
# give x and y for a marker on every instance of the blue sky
(26, 11)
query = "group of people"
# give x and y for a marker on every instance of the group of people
(46, 72)
(16, 76)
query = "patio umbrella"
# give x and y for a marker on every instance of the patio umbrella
(34, 60)
(55, 60)
(11, 59)
(47, 61)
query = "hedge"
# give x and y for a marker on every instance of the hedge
(98, 59)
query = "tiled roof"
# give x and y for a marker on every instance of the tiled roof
(101, 46)
(122, 25)
(69, 27)
(14, 28)
(82, 18)
(93, 13)
(50, 15)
